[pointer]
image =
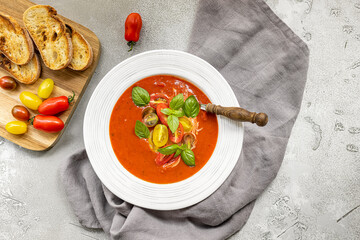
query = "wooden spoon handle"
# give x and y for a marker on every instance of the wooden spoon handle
(238, 114)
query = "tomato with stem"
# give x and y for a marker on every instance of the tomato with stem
(52, 106)
(133, 24)
(50, 124)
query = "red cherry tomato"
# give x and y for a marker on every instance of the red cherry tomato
(157, 98)
(133, 24)
(178, 135)
(49, 124)
(162, 117)
(161, 159)
(20, 113)
(8, 83)
(172, 163)
(52, 106)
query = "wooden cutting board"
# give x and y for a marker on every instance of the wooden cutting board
(65, 80)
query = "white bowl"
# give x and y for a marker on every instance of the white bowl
(102, 157)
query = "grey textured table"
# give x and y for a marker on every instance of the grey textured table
(316, 194)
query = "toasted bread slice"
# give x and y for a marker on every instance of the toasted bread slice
(49, 34)
(83, 54)
(15, 42)
(27, 73)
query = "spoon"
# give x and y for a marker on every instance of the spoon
(236, 113)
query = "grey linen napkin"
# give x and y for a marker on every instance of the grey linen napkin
(266, 66)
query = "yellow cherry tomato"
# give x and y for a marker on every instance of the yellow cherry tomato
(160, 135)
(186, 123)
(30, 100)
(151, 142)
(46, 88)
(16, 127)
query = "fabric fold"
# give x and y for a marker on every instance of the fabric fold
(266, 65)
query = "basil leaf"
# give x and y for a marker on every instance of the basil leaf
(183, 147)
(173, 123)
(167, 111)
(140, 96)
(177, 102)
(178, 113)
(188, 157)
(169, 149)
(177, 153)
(141, 130)
(191, 107)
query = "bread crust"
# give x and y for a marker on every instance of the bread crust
(52, 13)
(72, 33)
(33, 68)
(20, 32)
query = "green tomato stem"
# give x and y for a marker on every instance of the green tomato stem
(71, 98)
(131, 44)
(31, 120)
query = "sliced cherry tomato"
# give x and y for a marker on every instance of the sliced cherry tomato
(161, 159)
(157, 98)
(152, 145)
(52, 106)
(20, 113)
(189, 140)
(162, 117)
(186, 123)
(150, 120)
(49, 124)
(30, 100)
(16, 127)
(178, 135)
(160, 135)
(173, 163)
(147, 111)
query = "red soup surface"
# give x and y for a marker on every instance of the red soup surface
(136, 155)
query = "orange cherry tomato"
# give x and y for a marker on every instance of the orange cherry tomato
(177, 136)
(133, 24)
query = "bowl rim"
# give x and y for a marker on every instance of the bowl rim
(133, 199)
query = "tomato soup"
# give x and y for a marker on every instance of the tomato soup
(135, 154)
